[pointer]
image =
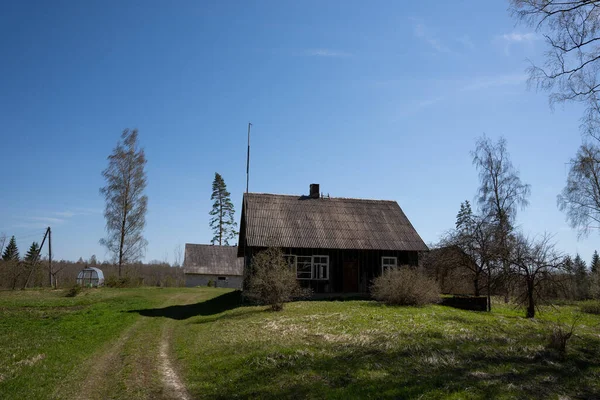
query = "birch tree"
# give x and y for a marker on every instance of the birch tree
(571, 67)
(501, 194)
(126, 203)
(580, 199)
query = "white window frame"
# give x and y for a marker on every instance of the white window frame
(306, 278)
(388, 265)
(313, 266)
(326, 264)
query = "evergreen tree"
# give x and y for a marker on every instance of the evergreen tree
(580, 278)
(595, 264)
(11, 253)
(464, 217)
(568, 263)
(32, 254)
(12, 263)
(29, 266)
(579, 265)
(222, 222)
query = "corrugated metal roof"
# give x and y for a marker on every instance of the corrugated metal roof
(273, 220)
(212, 260)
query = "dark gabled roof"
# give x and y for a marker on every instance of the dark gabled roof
(212, 260)
(271, 220)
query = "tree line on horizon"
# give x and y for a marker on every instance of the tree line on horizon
(32, 271)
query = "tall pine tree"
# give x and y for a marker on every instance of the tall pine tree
(11, 253)
(12, 262)
(464, 217)
(580, 278)
(595, 264)
(222, 222)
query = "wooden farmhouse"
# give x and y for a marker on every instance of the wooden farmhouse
(335, 245)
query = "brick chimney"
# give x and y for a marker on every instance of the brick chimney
(314, 191)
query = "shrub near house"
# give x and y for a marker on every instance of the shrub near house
(405, 286)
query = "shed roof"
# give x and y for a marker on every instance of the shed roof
(272, 220)
(212, 260)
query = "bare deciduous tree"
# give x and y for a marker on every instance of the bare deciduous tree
(501, 193)
(572, 61)
(126, 204)
(2, 241)
(476, 239)
(177, 255)
(534, 262)
(580, 199)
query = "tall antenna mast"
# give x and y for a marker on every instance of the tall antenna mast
(248, 159)
(245, 208)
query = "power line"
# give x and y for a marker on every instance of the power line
(39, 231)
(19, 237)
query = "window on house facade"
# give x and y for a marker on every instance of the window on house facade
(388, 263)
(309, 267)
(304, 267)
(320, 267)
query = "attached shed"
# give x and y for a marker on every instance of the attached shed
(90, 277)
(335, 245)
(220, 265)
(455, 271)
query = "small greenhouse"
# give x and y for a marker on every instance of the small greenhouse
(90, 277)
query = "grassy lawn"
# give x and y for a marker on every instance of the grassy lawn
(48, 342)
(51, 345)
(361, 349)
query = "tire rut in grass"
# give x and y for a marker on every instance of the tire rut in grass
(174, 388)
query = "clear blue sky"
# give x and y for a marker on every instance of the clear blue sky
(383, 101)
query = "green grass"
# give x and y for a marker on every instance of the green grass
(46, 338)
(361, 349)
(320, 349)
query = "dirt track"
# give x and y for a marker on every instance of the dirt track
(138, 364)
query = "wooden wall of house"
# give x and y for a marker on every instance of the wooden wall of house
(369, 265)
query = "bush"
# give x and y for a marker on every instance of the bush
(112, 281)
(405, 286)
(211, 283)
(271, 281)
(590, 307)
(561, 333)
(74, 291)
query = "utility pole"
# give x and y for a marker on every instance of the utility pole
(50, 254)
(35, 259)
(244, 206)
(248, 159)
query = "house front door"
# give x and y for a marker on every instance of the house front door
(350, 276)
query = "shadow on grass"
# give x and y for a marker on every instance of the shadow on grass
(365, 372)
(216, 305)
